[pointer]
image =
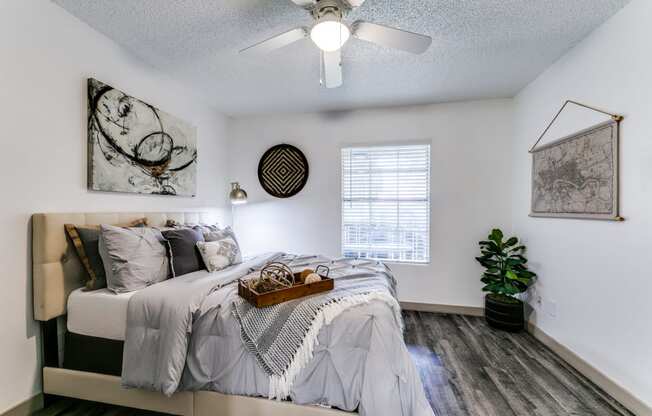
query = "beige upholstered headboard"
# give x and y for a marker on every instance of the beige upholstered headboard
(56, 268)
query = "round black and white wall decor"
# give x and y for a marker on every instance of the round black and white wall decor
(283, 171)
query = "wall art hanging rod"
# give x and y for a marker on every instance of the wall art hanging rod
(615, 117)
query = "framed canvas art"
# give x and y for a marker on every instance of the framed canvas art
(135, 147)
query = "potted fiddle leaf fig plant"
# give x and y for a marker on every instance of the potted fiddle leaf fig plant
(506, 275)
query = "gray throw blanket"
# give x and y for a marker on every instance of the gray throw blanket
(282, 337)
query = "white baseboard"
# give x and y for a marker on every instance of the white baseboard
(615, 390)
(27, 407)
(451, 309)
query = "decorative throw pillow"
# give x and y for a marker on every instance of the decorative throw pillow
(201, 227)
(184, 255)
(133, 258)
(85, 241)
(222, 233)
(219, 234)
(205, 228)
(173, 223)
(219, 254)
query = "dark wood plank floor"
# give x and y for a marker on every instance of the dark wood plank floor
(71, 407)
(467, 369)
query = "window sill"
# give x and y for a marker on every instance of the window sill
(396, 262)
(404, 263)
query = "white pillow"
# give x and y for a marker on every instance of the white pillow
(220, 254)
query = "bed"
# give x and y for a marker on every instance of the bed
(89, 366)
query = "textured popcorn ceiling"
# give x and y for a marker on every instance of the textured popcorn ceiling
(481, 48)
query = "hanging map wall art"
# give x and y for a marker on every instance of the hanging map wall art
(577, 176)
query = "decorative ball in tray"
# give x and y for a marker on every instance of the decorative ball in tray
(277, 283)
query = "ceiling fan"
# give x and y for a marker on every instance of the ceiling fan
(329, 32)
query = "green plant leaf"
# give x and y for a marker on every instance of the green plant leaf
(527, 274)
(515, 261)
(483, 259)
(511, 275)
(489, 265)
(510, 289)
(496, 236)
(494, 287)
(486, 258)
(512, 241)
(492, 278)
(525, 281)
(491, 247)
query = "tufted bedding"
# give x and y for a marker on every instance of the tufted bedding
(182, 335)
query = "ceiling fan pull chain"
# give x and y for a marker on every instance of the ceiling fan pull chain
(321, 68)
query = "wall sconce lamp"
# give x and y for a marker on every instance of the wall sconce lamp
(237, 195)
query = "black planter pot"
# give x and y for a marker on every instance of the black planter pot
(500, 314)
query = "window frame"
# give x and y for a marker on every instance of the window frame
(380, 144)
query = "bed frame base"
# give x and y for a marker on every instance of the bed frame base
(107, 389)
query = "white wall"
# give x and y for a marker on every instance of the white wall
(46, 57)
(470, 186)
(597, 273)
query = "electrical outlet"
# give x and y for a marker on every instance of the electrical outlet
(551, 308)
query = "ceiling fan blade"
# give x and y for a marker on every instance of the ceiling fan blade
(391, 37)
(277, 42)
(306, 4)
(331, 69)
(354, 3)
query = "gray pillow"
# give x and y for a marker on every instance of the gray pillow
(184, 255)
(133, 258)
(85, 240)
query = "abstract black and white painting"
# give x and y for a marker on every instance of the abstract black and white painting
(135, 147)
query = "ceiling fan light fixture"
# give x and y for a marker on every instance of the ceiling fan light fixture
(329, 33)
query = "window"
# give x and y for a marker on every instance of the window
(386, 203)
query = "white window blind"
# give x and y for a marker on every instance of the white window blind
(386, 203)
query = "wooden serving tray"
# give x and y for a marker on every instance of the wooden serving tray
(299, 290)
